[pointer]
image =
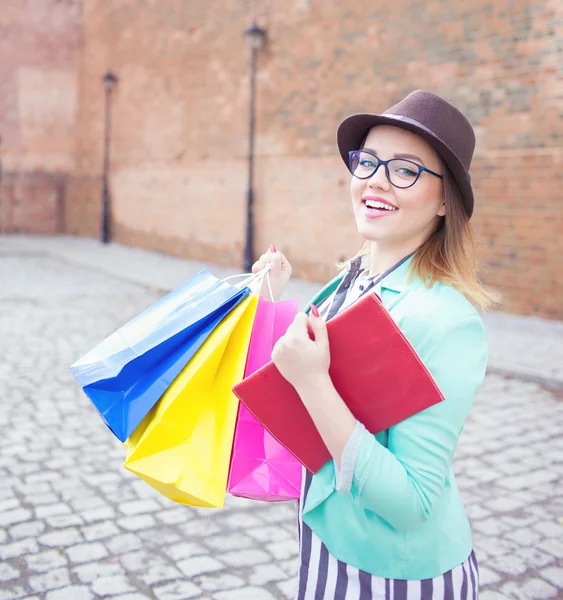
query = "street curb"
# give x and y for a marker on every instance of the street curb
(551, 383)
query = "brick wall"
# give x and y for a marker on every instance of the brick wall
(39, 56)
(180, 122)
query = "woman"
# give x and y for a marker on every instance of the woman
(384, 518)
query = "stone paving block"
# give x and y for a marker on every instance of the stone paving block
(289, 566)
(487, 576)
(528, 480)
(263, 574)
(8, 573)
(158, 573)
(137, 522)
(60, 521)
(234, 541)
(134, 596)
(199, 565)
(181, 590)
(20, 548)
(125, 542)
(270, 533)
(111, 586)
(87, 502)
(11, 593)
(161, 536)
(553, 575)
(288, 587)
(83, 553)
(554, 547)
(18, 515)
(56, 578)
(100, 531)
(29, 529)
(219, 581)
(39, 499)
(248, 593)
(73, 592)
(174, 515)
(141, 560)
(491, 595)
(531, 589)
(283, 550)
(9, 504)
(45, 561)
(137, 507)
(245, 558)
(62, 538)
(96, 570)
(197, 528)
(97, 514)
(184, 550)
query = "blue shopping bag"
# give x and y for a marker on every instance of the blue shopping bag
(126, 374)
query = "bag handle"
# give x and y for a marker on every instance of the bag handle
(254, 280)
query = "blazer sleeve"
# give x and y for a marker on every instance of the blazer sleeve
(403, 482)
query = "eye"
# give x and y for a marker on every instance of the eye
(406, 171)
(366, 162)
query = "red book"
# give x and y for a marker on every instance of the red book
(374, 368)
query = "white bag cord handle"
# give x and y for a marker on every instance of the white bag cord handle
(254, 280)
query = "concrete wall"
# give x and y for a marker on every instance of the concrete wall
(180, 123)
(39, 61)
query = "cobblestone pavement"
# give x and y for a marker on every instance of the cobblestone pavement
(75, 525)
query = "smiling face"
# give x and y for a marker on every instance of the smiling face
(416, 210)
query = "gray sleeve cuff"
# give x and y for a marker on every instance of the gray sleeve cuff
(345, 474)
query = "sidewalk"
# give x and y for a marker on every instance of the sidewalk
(528, 348)
(76, 525)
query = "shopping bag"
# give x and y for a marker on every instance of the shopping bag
(183, 446)
(261, 468)
(128, 372)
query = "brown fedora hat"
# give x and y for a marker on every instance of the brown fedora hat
(431, 117)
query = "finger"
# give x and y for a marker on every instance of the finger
(320, 331)
(257, 267)
(300, 326)
(275, 261)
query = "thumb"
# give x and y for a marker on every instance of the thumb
(318, 327)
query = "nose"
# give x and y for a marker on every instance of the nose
(379, 178)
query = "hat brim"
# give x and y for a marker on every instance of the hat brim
(353, 130)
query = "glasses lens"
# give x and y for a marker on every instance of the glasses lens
(403, 173)
(362, 164)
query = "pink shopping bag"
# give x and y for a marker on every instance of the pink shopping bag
(261, 468)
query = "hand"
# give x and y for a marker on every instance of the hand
(300, 359)
(279, 273)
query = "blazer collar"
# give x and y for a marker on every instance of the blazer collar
(396, 281)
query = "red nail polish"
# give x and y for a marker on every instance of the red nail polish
(314, 311)
(272, 248)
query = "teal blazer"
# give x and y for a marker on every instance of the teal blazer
(404, 518)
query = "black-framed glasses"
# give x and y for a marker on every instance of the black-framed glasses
(401, 173)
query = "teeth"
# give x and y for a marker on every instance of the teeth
(374, 204)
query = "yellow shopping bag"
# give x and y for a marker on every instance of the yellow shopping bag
(183, 446)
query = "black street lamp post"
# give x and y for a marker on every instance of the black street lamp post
(255, 36)
(110, 81)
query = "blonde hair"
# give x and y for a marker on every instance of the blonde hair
(449, 254)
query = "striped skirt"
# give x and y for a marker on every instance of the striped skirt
(323, 577)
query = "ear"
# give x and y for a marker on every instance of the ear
(442, 210)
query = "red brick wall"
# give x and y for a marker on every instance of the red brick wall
(180, 122)
(39, 56)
